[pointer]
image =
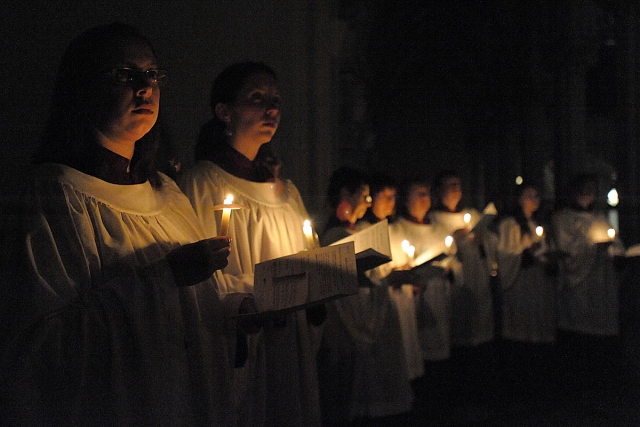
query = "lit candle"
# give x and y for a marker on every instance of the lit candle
(467, 218)
(539, 231)
(408, 249)
(226, 215)
(611, 233)
(308, 233)
(448, 241)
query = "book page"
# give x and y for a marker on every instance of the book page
(372, 245)
(300, 280)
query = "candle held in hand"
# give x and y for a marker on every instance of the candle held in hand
(226, 216)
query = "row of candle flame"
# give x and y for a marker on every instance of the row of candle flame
(407, 247)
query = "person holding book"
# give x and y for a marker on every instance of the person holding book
(528, 298)
(362, 367)
(588, 294)
(111, 316)
(278, 385)
(415, 242)
(472, 315)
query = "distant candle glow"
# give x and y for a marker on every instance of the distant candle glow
(408, 249)
(612, 197)
(539, 231)
(308, 233)
(611, 233)
(448, 241)
(519, 180)
(467, 218)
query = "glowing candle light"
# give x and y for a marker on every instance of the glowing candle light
(408, 249)
(226, 215)
(539, 231)
(448, 241)
(308, 233)
(467, 218)
(611, 233)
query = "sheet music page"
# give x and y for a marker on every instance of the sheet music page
(305, 278)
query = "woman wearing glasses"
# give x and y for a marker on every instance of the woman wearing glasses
(112, 317)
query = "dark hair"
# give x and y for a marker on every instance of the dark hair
(436, 188)
(517, 212)
(226, 88)
(579, 184)
(346, 178)
(69, 136)
(405, 188)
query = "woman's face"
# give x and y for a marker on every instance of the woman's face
(126, 112)
(451, 192)
(255, 114)
(384, 203)
(419, 201)
(529, 201)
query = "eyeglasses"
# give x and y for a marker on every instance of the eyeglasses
(125, 76)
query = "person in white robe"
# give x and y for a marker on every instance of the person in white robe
(588, 294)
(472, 311)
(528, 298)
(362, 367)
(414, 241)
(278, 385)
(112, 316)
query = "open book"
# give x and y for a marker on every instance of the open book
(372, 245)
(489, 214)
(305, 279)
(432, 267)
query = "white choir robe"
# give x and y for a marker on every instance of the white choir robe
(106, 320)
(364, 369)
(471, 299)
(529, 294)
(430, 324)
(278, 385)
(588, 283)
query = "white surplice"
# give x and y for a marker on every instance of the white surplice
(588, 284)
(432, 308)
(108, 338)
(471, 299)
(278, 386)
(363, 367)
(529, 294)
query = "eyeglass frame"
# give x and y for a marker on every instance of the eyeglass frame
(137, 75)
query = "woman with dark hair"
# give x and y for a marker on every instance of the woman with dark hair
(278, 384)
(114, 318)
(528, 298)
(383, 200)
(362, 368)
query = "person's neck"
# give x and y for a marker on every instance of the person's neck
(249, 149)
(123, 148)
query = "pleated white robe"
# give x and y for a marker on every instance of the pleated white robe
(278, 386)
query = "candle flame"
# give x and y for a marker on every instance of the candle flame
(611, 233)
(467, 218)
(539, 231)
(448, 241)
(228, 200)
